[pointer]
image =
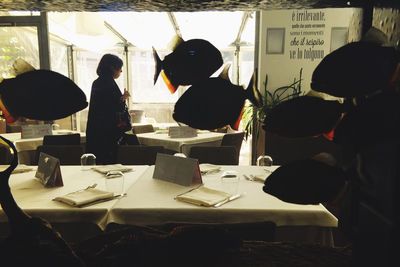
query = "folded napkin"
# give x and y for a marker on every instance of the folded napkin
(113, 167)
(85, 197)
(206, 168)
(204, 196)
(19, 169)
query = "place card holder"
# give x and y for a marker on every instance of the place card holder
(34, 131)
(49, 171)
(181, 132)
(178, 170)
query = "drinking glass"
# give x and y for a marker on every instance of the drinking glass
(88, 160)
(264, 160)
(230, 182)
(180, 155)
(115, 182)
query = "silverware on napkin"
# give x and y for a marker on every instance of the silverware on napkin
(102, 200)
(233, 197)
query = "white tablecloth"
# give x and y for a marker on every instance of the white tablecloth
(152, 201)
(36, 200)
(182, 145)
(26, 147)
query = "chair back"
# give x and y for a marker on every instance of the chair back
(62, 139)
(138, 155)
(130, 139)
(67, 154)
(145, 128)
(233, 139)
(221, 155)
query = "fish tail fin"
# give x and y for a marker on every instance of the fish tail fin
(158, 63)
(252, 92)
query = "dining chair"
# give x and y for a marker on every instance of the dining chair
(131, 139)
(62, 139)
(67, 154)
(138, 155)
(145, 128)
(222, 155)
(233, 139)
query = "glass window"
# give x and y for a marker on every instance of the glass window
(17, 42)
(142, 79)
(59, 57)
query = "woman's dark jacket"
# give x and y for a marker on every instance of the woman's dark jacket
(102, 133)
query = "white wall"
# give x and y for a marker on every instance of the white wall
(306, 26)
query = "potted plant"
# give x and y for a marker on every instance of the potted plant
(253, 116)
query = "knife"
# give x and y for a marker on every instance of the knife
(219, 204)
(102, 200)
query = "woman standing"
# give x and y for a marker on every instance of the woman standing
(106, 100)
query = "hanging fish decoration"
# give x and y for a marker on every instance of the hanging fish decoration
(373, 121)
(303, 116)
(190, 62)
(306, 181)
(215, 102)
(355, 69)
(40, 95)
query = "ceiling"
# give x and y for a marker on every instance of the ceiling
(182, 5)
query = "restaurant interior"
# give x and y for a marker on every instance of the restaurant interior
(253, 193)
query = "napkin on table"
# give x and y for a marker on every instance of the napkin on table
(84, 197)
(112, 167)
(203, 196)
(206, 168)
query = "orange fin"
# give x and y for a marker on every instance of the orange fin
(172, 88)
(7, 115)
(235, 126)
(329, 135)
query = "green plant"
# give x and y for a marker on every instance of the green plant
(269, 100)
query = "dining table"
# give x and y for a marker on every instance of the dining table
(180, 145)
(26, 147)
(150, 201)
(73, 222)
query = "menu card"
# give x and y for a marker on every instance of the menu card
(181, 132)
(48, 171)
(34, 131)
(178, 170)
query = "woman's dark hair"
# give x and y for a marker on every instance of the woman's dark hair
(108, 63)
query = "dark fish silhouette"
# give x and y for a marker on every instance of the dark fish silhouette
(306, 182)
(355, 69)
(214, 103)
(191, 61)
(376, 120)
(40, 95)
(303, 116)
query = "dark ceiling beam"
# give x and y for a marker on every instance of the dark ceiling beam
(181, 5)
